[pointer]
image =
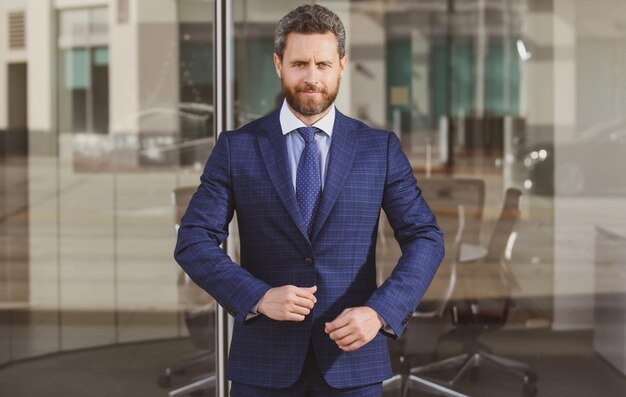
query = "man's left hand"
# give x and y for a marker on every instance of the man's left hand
(354, 327)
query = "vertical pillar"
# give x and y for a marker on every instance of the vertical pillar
(124, 69)
(41, 69)
(43, 179)
(3, 68)
(420, 87)
(481, 54)
(5, 325)
(224, 120)
(365, 87)
(573, 296)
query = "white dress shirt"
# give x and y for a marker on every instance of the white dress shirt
(289, 124)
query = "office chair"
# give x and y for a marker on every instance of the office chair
(199, 317)
(444, 195)
(426, 325)
(472, 316)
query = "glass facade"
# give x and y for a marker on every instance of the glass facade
(511, 112)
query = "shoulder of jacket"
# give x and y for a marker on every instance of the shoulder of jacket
(247, 130)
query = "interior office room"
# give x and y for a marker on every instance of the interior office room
(511, 112)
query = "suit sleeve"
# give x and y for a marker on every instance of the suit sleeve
(204, 227)
(420, 240)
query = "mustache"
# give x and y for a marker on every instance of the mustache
(310, 87)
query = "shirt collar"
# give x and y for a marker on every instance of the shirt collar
(289, 122)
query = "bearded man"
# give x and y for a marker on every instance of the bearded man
(308, 184)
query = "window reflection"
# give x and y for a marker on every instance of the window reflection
(110, 109)
(83, 71)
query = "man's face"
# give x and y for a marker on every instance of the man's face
(310, 71)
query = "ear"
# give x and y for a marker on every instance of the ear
(342, 64)
(278, 64)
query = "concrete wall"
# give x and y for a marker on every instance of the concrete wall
(589, 92)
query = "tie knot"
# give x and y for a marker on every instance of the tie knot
(308, 133)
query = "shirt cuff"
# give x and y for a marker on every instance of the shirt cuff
(386, 326)
(254, 311)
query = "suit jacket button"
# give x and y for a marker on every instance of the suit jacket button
(308, 261)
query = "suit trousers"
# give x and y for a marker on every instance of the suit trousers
(311, 383)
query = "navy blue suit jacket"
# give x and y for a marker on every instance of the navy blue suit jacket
(248, 172)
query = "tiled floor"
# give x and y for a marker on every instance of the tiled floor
(564, 361)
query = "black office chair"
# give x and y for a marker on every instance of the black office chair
(199, 317)
(422, 333)
(473, 316)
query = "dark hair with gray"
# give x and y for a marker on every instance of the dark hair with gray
(308, 19)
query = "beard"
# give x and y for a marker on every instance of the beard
(312, 105)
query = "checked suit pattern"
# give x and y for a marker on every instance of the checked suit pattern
(334, 249)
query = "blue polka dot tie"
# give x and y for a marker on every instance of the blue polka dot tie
(308, 178)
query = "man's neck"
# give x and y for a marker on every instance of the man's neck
(309, 120)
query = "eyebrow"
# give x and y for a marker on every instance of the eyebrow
(318, 62)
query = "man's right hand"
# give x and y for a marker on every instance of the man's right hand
(288, 303)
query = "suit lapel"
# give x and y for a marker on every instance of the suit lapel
(273, 148)
(342, 152)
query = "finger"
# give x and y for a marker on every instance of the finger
(352, 346)
(337, 323)
(347, 341)
(294, 317)
(303, 302)
(299, 310)
(340, 333)
(307, 293)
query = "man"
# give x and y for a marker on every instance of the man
(308, 184)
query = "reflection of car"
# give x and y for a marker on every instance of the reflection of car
(167, 136)
(594, 163)
(157, 136)
(190, 146)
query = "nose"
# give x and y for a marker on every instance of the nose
(311, 76)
